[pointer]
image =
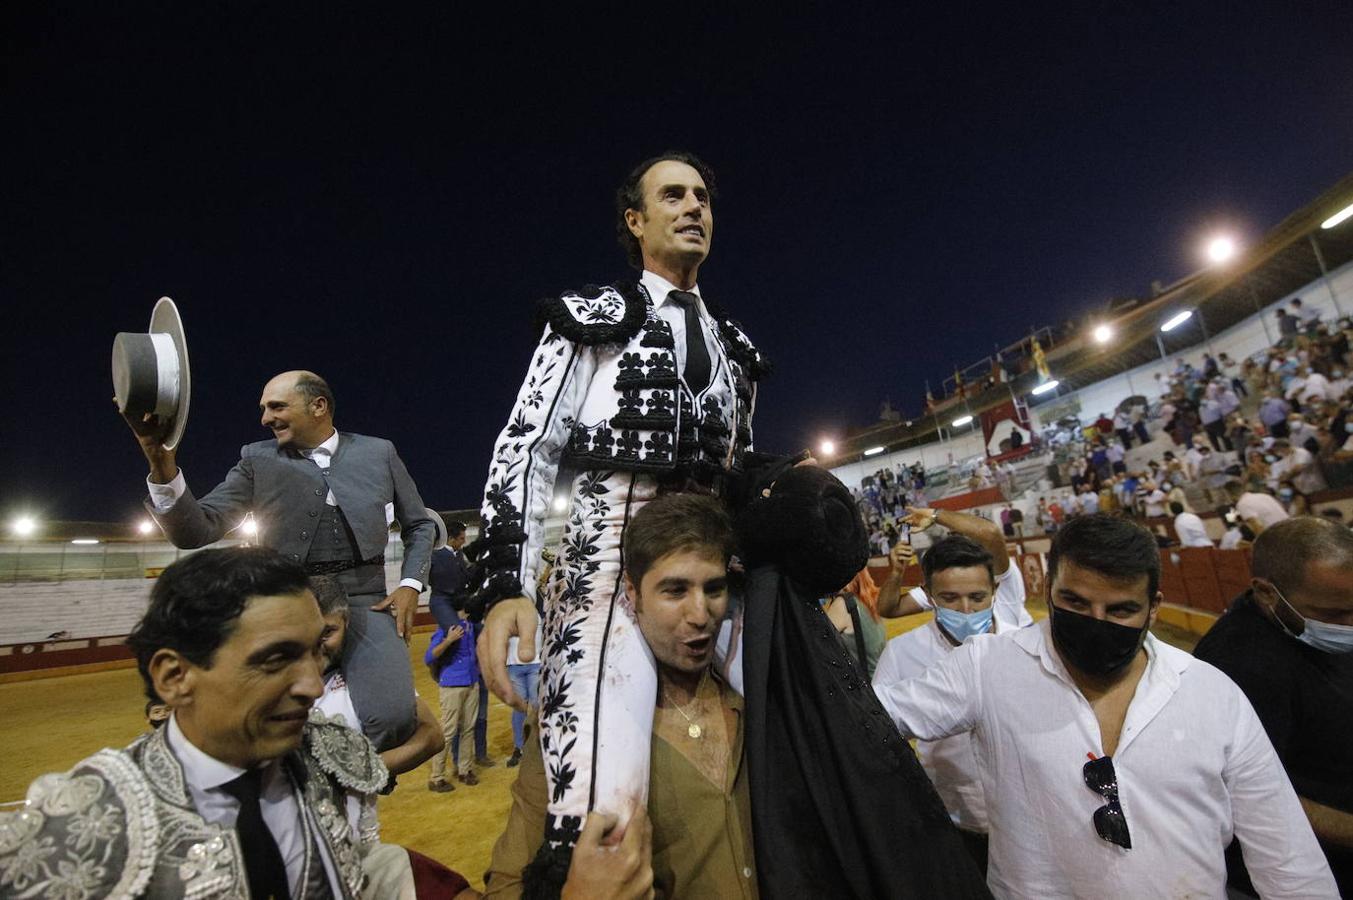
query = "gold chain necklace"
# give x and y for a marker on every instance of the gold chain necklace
(693, 729)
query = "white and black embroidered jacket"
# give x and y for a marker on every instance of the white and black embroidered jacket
(604, 393)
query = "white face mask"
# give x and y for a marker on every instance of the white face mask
(1323, 636)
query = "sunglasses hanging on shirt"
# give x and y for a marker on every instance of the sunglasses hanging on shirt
(1110, 823)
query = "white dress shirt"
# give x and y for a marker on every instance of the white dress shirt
(950, 762)
(674, 314)
(205, 775)
(1266, 509)
(164, 496)
(1191, 531)
(1193, 764)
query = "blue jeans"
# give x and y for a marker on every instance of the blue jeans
(481, 728)
(525, 680)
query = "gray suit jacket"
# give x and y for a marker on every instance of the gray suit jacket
(286, 492)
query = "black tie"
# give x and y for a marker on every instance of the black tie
(262, 860)
(697, 365)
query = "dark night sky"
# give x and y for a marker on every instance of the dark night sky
(381, 196)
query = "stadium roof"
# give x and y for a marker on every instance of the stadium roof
(1294, 254)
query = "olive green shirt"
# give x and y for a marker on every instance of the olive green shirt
(702, 834)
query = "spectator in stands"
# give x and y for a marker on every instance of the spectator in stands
(1307, 316)
(1137, 416)
(1257, 510)
(1214, 419)
(1153, 502)
(1089, 501)
(1301, 433)
(1189, 527)
(961, 585)
(1122, 426)
(1017, 521)
(1104, 426)
(1288, 325)
(1297, 465)
(1232, 373)
(1239, 433)
(1273, 410)
(1237, 533)
(1294, 501)
(1288, 644)
(1116, 456)
(1307, 388)
(1177, 759)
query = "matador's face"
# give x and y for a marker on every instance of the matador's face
(676, 225)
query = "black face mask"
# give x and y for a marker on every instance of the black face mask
(1095, 647)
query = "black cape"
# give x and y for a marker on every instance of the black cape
(840, 805)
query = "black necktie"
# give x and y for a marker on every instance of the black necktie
(262, 860)
(697, 365)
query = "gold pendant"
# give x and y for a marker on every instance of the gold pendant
(694, 731)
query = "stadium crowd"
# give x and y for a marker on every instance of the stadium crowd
(1275, 424)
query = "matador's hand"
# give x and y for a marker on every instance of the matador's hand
(513, 617)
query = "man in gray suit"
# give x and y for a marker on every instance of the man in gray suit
(320, 498)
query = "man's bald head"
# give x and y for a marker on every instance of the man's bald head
(298, 407)
(1285, 551)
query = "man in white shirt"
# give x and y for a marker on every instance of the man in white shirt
(961, 586)
(1297, 465)
(1111, 763)
(1154, 501)
(1189, 527)
(1258, 511)
(1089, 501)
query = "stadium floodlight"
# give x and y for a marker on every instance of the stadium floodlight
(961, 421)
(1220, 249)
(1103, 334)
(85, 541)
(145, 526)
(1176, 320)
(873, 451)
(1338, 218)
(827, 448)
(1046, 386)
(24, 526)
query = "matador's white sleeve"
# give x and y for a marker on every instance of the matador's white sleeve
(526, 461)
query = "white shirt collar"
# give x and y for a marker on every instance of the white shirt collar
(201, 771)
(330, 446)
(659, 288)
(1164, 664)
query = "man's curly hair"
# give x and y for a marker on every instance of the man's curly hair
(631, 196)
